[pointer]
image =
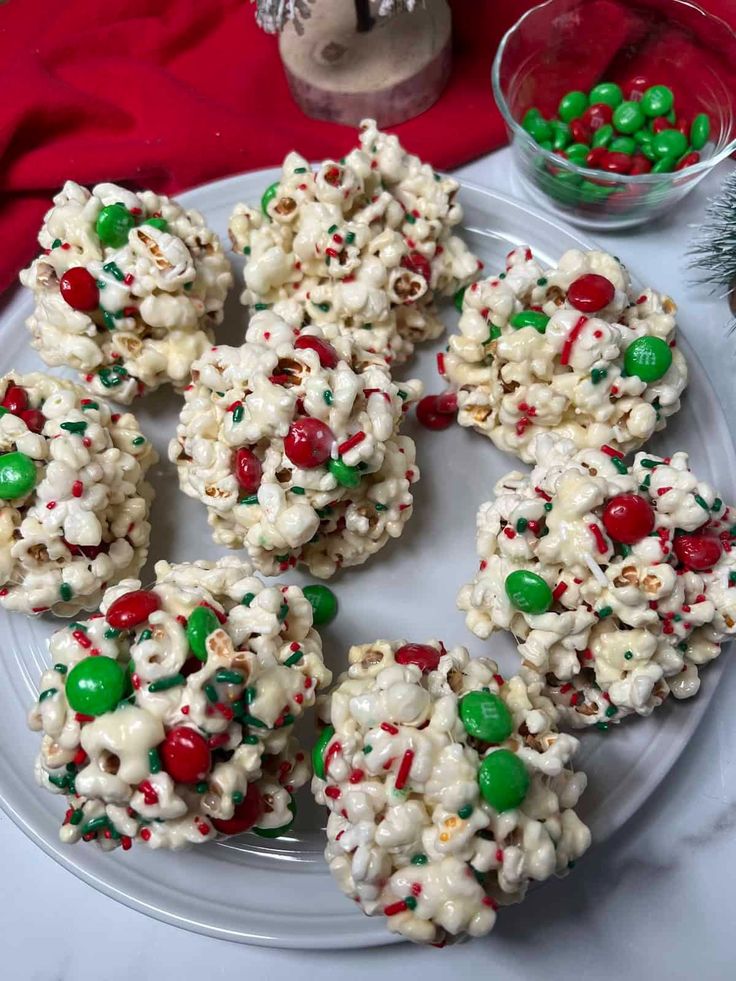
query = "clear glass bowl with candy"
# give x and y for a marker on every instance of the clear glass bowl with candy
(616, 108)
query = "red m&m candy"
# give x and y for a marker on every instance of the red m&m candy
(590, 293)
(697, 552)
(425, 657)
(628, 518)
(34, 419)
(248, 471)
(132, 608)
(185, 755)
(308, 443)
(15, 399)
(437, 411)
(597, 115)
(79, 289)
(245, 815)
(325, 352)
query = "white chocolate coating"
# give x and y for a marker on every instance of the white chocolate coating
(660, 621)
(515, 383)
(158, 302)
(387, 843)
(361, 246)
(84, 526)
(298, 515)
(266, 628)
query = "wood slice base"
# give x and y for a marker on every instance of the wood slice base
(390, 73)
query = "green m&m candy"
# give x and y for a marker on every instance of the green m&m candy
(113, 224)
(664, 165)
(95, 685)
(486, 717)
(268, 195)
(649, 358)
(528, 592)
(608, 93)
(622, 144)
(277, 832)
(602, 136)
(323, 602)
(318, 751)
(503, 780)
(160, 223)
(657, 101)
(628, 117)
(572, 105)
(699, 131)
(201, 623)
(669, 143)
(17, 475)
(345, 475)
(530, 318)
(577, 152)
(560, 134)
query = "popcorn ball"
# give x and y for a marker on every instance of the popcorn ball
(448, 789)
(295, 455)
(168, 717)
(74, 502)
(618, 581)
(575, 351)
(361, 246)
(127, 290)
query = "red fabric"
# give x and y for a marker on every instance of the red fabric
(174, 93)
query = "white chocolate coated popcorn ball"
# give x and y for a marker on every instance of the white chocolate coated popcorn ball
(296, 456)
(573, 350)
(74, 501)
(360, 246)
(618, 581)
(449, 789)
(168, 717)
(127, 290)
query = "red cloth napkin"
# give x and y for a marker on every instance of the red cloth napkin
(172, 94)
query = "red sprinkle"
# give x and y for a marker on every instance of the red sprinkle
(393, 908)
(351, 442)
(332, 792)
(600, 541)
(609, 451)
(81, 638)
(403, 775)
(571, 338)
(559, 590)
(387, 727)
(77, 488)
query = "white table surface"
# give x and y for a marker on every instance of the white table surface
(656, 902)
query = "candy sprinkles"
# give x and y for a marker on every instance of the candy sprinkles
(448, 789)
(293, 477)
(618, 582)
(74, 501)
(167, 717)
(128, 289)
(574, 350)
(359, 247)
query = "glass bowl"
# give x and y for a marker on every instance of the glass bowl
(563, 45)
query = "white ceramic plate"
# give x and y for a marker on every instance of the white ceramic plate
(279, 892)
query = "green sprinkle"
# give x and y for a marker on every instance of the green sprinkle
(381, 507)
(246, 250)
(366, 326)
(236, 797)
(145, 634)
(251, 720)
(717, 504)
(201, 787)
(409, 218)
(250, 740)
(56, 243)
(328, 397)
(324, 307)
(295, 658)
(76, 816)
(402, 394)
(283, 612)
(114, 270)
(605, 611)
(74, 427)
(163, 684)
(619, 464)
(260, 306)
(548, 506)
(597, 375)
(78, 626)
(252, 499)
(297, 490)
(628, 655)
(494, 333)
(90, 405)
(731, 578)
(250, 695)
(419, 859)
(624, 550)
(350, 238)
(228, 677)
(61, 668)
(108, 319)
(247, 599)
(701, 501)
(677, 618)
(522, 524)
(411, 902)
(96, 824)
(238, 413)
(465, 812)
(65, 591)
(682, 646)
(211, 693)
(111, 633)
(139, 440)
(603, 726)
(542, 282)
(300, 170)
(287, 720)
(367, 750)
(331, 229)
(47, 694)
(61, 782)
(649, 464)
(611, 711)
(154, 760)
(502, 275)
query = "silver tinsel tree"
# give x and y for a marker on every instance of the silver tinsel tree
(273, 15)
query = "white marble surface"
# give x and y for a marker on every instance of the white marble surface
(656, 902)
